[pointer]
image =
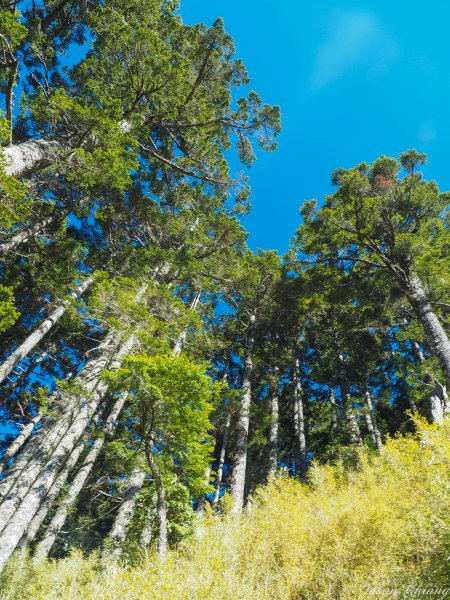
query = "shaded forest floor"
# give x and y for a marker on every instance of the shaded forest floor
(370, 527)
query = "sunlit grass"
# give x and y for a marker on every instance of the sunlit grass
(370, 532)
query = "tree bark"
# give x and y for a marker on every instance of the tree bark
(299, 423)
(77, 484)
(17, 512)
(371, 422)
(24, 159)
(40, 332)
(221, 464)
(334, 412)
(20, 440)
(125, 514)
(242, 426)
(30, 232)
(437, 339)
(439, 401)
(161, 505)
(274, 424)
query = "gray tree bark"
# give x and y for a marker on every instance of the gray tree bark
(299, 423)
(125, 514)
(439, 401)
(334, 412)
(20, 440)
(242, 425)
(371, 422)
(161, 505)
(77, 484)
(437, 339)
(223, 451)
(17, 512)
(40, 332)
(274, 424)
(29, 232)
(23, 159)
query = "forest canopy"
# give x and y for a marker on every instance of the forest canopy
(156, 372)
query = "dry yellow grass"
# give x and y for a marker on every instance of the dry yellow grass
(381, 531)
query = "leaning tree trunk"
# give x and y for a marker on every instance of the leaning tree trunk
(437, 339)
(242, 425)
(161, 505)
(119, 531)
(17, 514)
(274, 425)
(30, 232)
(334, 412)
(40, 332)
(223, 451)
(20, 440)
(77, 484)
(371, 422)
(36, 522)
(24, 159)
(299, 423)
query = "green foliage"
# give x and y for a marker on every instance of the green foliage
(8, 312)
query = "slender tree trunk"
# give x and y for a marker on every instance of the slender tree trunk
(221, 465)
(439, 401)
(438, 340)
(125, 514)
(371, 422)
(334, 412)
(179, 344)
(20, 440)
(242, 425)
(352, 423)
(147, 530)
(161, 506)
(77, 484)
(30, 232)
(274, 424)
(18, 513)
(299, 423)
(40, 332)
(33, 528)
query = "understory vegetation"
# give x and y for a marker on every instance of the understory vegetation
(372, 526)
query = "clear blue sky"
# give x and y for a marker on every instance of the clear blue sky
(354, 80)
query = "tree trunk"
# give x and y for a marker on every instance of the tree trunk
(24, 159)
(242, 425)
(274, 423)
(77, 484)
(20, 440)
(179, 344)
(125, 514)
(352, 423)
(439, 401)
(30, 232)
(334, 412)
(147, 530)
(33, 528)
(161, 505)
(17, 513)
(299, 423)
(372, 422)
(220, 467)
(437, 339)
(40, 332)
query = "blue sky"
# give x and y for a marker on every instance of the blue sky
(354, 80)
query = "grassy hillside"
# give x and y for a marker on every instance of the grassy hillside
(380, 529)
